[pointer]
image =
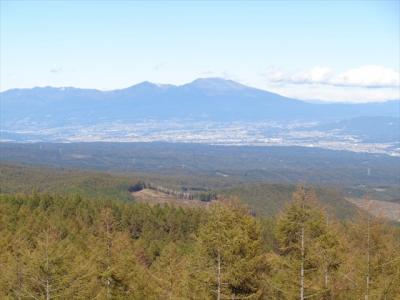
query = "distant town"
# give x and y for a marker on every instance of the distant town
(216, 133)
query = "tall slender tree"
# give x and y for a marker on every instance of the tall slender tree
(230, 255)
(306, 248)
(375, 270)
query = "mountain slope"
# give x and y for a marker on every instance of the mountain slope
(211, 99)
(368, 129)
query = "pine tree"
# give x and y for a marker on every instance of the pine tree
(374, 272)
(307, 248)
(50, 268)
(169, 273)
(103, 244)
(230, 258)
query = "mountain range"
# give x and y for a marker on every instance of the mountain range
(208, 99)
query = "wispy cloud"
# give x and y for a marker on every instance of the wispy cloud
(208, 73)
(158, 67)
(56, 70)
(369, 76)
(332, 93)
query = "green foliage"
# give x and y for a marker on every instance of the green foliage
(223, 163)
(94, 185)
(307, 248)
(375, 271)
(264, 198)
(268, 199)
(70, 247)
(230, 255)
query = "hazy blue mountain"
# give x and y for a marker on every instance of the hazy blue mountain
(203, 99)
(368, 129)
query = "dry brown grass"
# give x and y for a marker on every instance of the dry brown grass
(378, 208)
(155, 197)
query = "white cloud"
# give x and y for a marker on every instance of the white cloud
(315, 75)
(332, 93)
(369, 76)
(369, 83)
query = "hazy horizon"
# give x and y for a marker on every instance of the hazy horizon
(161, 84)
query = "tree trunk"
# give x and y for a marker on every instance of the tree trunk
(47, 290)
(302, 265)
(326, 277)
(219, 277)
(19, 278)
(108, 283)
(368, 259)
(47, 267)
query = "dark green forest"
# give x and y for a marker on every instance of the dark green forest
(68, 247)
(239, 163)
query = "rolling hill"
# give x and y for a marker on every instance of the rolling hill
(264, 198)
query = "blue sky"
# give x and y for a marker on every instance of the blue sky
(338, 50)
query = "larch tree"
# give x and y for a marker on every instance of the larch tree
(375, 268)
(230, 257)
(49, 270)
(169, 274)
(307, 250)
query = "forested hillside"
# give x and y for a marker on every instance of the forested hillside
(264, 198)
(225, 163)
(269, 199)
(97, 185)
(67, 247)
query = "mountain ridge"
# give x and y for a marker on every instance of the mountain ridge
(209, 99)
(199, 82)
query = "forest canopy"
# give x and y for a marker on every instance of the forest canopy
(67, 247)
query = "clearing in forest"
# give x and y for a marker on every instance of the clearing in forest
(153, 197)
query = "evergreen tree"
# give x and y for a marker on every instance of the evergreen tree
(307, 249)
(51, 268)
(373, 266)
(230, 257)
(56, 247)
(169, 273)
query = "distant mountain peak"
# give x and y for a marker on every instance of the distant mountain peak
(150, 85)
(144, 84)
(216, 84)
